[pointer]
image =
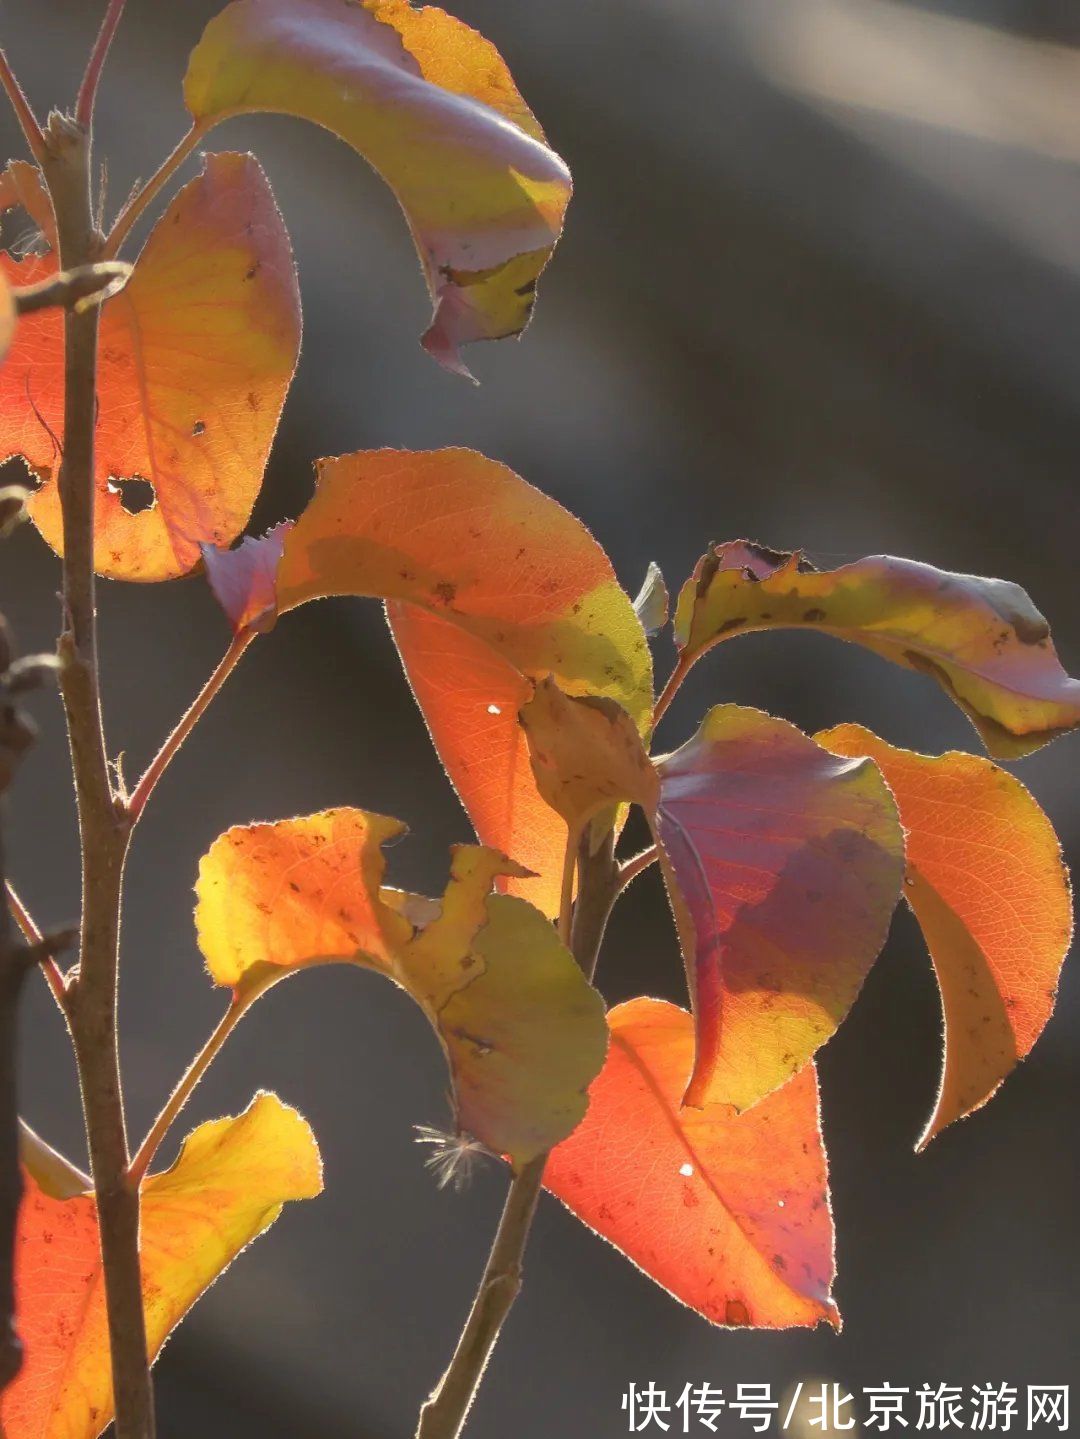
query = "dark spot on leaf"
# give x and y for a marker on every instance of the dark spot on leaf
(198, 428)
(136, 494)
(736, 1312)
(1030, 629)
(813, 616)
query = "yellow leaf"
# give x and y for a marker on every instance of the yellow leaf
(228, 1184)
(522, 1030)
(431, 105)
(983, 640)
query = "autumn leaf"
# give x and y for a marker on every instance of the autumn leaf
(653, 602)
(988, 885)
(586, 754)
(431, 105)
(195, 357)
(783, 865)
(228, 1185)
(729, 1213)
(522, 1030)
(244, 580)
(490, 584)
(22, 187)
(7, 316)
(470, 697)
(983, 640)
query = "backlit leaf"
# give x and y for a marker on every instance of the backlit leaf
(784, 865)
(228, 1185)
(983, 640)
(431, 105)
(7, 316)
(244, 580)
(988, 885)
(587, 755)
(522, 1030)
(490, 584)
(195, 358)
(470, 697)
(22, 187)
(653, 601)
(729, 1213)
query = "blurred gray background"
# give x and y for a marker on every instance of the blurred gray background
(820, 286)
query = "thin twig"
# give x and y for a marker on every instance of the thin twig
(145, 194)
(54, 976)
(104, 828)
(631, 868)
(444, 1414)
(667, 694)
(84, 104)
(21, 105)
(183, 1091)
(74, 289)
(161, 761)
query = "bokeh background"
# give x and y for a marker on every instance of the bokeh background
(821, 287)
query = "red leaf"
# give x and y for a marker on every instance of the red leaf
(784, 866)
(729, 1213)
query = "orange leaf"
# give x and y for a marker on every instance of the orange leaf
(522, 1030)
(988, 885)
(983, 640)
(7, 315)
(431, 105)
(784, 866)
(470, 697)
(195, 358)
(457, 542)
(728, 1213)
(228, 1185)
(22, 187)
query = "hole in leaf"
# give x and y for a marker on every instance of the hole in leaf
(494, 710)
(136, 494)
(198, 428)
(15, 471)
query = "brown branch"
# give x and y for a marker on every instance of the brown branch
(103, 825)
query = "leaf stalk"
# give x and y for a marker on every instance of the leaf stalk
(195, 711)
(35, 139)
(183, 1091)
(84, 103)
(147, 193)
